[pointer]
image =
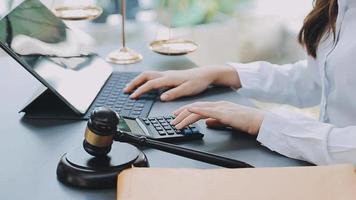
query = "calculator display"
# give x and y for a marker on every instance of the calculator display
(123, 126)
(130, 125)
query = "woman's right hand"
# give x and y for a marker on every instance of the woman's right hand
(182, 82)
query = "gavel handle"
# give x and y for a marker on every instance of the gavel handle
(143, 141)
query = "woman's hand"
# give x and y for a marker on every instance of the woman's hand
(219, 114)
(183, 82)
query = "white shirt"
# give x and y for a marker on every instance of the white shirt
(328, 80)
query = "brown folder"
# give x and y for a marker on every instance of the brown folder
(336, 182)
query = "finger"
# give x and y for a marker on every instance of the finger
(208, 112)
(181, 109)
(192, 118)
(148, 86)
(174, 93)
(139, 80)
(196, 104)
(136, 82)
(185, 113)
(214, 123)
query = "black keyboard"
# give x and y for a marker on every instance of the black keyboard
(112, 96)
(160, 128)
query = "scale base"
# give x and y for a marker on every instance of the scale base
(124, 56)
(79, 169)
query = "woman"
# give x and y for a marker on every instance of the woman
(326, 78)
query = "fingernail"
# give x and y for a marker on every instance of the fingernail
(178, 127)
(164, 97)
(173, 123)
(132, 96)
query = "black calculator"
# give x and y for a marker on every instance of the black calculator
(159, 128)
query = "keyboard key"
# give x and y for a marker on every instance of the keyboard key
(139, 105)
(159, 128)
(167, 128)
(134, 116)
(137, 109)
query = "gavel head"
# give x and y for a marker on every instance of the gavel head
(100, 131)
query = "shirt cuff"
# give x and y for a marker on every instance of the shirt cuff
(296, 136)
(248, 75)
(271, 134)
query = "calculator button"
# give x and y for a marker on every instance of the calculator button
(187, 131)
(170, 132)
(195, 130)
(167, 127)
(159, 128)
(161, 133)
(165, 124)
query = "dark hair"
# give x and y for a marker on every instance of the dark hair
(321, 20)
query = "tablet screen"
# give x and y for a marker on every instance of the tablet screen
(56, 55)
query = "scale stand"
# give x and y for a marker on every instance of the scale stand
(124, 55)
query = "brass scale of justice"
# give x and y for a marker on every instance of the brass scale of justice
(125, 55)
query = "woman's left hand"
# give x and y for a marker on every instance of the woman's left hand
(220, 113)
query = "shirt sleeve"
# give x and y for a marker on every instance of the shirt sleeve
(296, 84)
(297, 136)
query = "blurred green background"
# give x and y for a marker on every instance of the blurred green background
(192, 12)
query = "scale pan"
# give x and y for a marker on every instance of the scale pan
(76, 13)
(173, 47)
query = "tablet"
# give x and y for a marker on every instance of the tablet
(54, 54)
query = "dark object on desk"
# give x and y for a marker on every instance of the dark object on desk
(77, 168)
(47, 105)
(100, 133)
(76, 80)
